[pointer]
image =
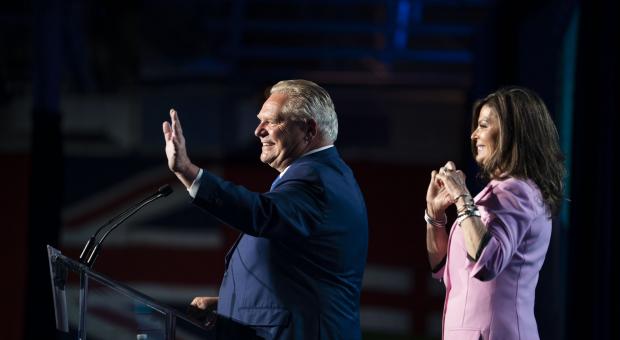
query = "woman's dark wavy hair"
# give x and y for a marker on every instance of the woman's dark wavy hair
(528, 143)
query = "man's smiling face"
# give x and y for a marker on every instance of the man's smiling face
(282, 139)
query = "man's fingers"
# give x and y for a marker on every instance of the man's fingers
(450, 166)
(167, 130)
(204, 302)
(199, 302)
(176, 123)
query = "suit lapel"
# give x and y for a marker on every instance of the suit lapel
(234, 246)
(231, 251)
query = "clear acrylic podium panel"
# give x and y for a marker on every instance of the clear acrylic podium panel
(120, 316)
(89, 305)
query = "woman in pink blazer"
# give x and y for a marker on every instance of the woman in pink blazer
(490, 259)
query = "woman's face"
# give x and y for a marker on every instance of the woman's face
(486, 135)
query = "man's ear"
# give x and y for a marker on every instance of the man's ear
(311, 129)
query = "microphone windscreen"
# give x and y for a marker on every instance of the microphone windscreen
(164, 190)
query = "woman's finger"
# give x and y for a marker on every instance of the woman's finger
(450, 166)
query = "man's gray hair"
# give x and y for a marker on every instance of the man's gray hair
(307, 100)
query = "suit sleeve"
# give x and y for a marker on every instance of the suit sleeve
(293, 209)
(510, 209)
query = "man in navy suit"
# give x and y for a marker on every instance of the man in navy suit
(296, 270)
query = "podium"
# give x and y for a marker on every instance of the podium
(89, 305)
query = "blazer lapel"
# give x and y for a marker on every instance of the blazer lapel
(231, 251)
(234, 246)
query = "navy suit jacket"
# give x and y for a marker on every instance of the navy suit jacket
(296, 271)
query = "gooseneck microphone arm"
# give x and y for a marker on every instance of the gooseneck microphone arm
(93, 248)
(88, 248)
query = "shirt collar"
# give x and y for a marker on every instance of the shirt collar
(308, 153)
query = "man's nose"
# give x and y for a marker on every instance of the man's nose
(260, 130)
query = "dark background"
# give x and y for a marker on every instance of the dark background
(85, 85)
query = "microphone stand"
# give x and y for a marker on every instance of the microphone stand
(89, 253)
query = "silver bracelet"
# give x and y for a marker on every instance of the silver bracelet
(467, 214)
(465, 198)
(435, 223)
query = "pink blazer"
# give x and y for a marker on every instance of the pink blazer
(493, 298)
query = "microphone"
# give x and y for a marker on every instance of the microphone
(93, 248)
